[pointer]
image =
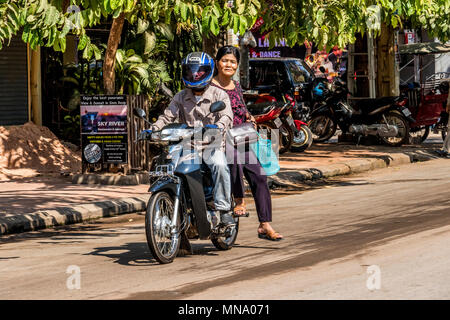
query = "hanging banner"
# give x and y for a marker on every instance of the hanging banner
(104, 132)
(280, 50)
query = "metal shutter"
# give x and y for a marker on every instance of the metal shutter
(13, 83)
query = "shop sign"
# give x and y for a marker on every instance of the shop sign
(104, 132)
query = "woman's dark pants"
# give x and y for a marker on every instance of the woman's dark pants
(250, 167)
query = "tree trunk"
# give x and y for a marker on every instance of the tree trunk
(212, 43)
(109, 75)
(387, 67)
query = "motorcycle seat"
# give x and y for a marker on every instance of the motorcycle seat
(260, 108)
(369, 105)
(376, 102)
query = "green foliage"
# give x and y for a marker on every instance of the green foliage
(325, 22)
(71, 129)
(161, 32)
(333, 22)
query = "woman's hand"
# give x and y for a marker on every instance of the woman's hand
(251, 119)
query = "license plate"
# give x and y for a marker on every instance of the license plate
(277, 122)
(406, 112)
(290, 120)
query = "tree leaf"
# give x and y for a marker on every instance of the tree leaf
(142, 25)
(150, 42)
(115, 4)
(215, 29)
(183, 11)
(165, 30)
(62, 44)
(84, 40)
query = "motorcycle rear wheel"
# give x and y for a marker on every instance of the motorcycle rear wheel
(162, 244)
(323, 127)
(302, 140)
(284, 139)
(226, 243)
(396, 118)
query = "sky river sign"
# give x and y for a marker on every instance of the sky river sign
(104, 134)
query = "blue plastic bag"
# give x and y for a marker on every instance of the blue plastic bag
(266, 156)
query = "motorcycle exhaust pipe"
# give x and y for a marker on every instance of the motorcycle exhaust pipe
(381, 130)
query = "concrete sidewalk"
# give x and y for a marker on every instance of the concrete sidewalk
(44, 201)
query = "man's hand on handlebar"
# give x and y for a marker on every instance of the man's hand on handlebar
(145, 134)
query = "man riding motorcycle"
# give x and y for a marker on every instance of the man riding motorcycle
(191, 106)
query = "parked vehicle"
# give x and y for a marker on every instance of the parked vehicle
(181, 190)
(267, 111)
(284, 80)
(427, 99)
(385, 118)
(291, 75)
(302, 139)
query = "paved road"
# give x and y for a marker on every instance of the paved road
(387, 231)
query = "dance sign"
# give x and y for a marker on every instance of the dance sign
(104, 133)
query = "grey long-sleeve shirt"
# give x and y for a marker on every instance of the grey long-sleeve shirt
(195, 111)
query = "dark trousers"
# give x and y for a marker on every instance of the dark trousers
(257, 180)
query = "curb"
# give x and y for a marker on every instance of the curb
(94, 210)
(288, 177)
(92, 178)
(69, 215)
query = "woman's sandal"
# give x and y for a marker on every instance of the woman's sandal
(240, 208)
(270, 235)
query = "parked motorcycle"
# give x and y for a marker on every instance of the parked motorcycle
(302, 135)
(180, 206)
(386, 118)
(267, 110)
(294, 133)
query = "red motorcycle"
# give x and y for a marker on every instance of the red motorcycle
(272, 114)
(303, 138)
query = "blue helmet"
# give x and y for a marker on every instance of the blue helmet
(197, 70)
(319, 90)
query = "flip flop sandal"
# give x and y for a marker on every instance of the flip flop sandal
(240, 208)
(272, 236)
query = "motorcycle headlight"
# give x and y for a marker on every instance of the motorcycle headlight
(175, 134)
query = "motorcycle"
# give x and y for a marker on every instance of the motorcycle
(267, 110)
(385, 118)
(294, 133)
(181, 204)
(302, 135)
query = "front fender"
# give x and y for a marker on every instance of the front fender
(165, 184)
(299, 123)
(324, 109)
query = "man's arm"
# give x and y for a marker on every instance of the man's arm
(169, 115)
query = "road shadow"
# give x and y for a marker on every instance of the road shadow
(78, 233)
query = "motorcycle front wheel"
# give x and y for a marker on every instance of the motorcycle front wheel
(302, 139)
(420, 133)
(323, 127)
(226, 242)
(286, 138)
(162, 244)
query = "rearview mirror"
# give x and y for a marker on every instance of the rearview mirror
(322, 69)
(140, 113)
(217, 106)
